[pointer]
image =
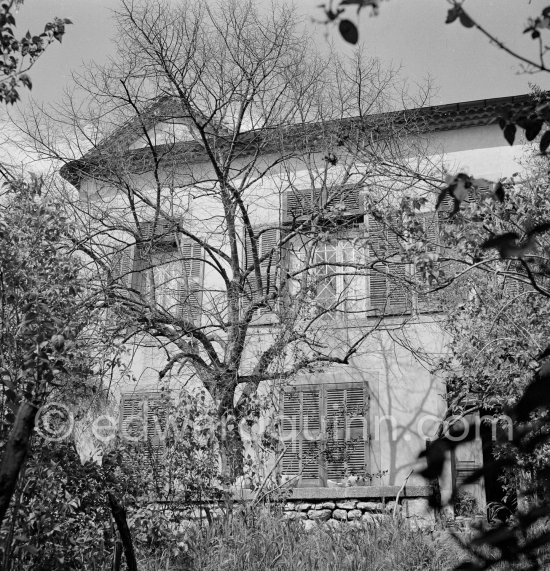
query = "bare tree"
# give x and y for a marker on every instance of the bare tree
(225, 172)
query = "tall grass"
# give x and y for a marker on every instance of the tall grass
(262, 541)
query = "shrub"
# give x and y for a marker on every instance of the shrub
(465, 504)
(61, 520)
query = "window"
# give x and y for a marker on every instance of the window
(143, 416)
(268, 252)
(338, 276)
(165, 270)
(325, 432)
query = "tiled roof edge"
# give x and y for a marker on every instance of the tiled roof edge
(435, 118)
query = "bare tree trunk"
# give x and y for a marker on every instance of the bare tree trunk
(15, 511)
(117, 556)
(229, 436)
(15, 454)
(119, 514)
(232, 453)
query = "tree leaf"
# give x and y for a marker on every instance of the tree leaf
(349, 32)
(532, 129)
(452, 15)
(465, 20)
(510, 133)
(26, 80)
(544, 142)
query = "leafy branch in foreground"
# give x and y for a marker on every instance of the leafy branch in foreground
(19, 55)
(517, 390)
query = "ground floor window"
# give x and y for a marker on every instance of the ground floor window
(325, 433)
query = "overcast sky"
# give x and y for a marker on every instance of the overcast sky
(407, 33)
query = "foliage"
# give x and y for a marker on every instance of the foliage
(61, 519)
(49, 352)
(172, 483)
(260, 540)
(497, 362)
(185, 468)
(465, 504)
(19, 55)
(46, 317)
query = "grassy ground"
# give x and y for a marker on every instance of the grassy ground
(267, 542)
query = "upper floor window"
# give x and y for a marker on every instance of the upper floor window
(166, 269)
(350, 264)
(341, 275)
(269, 257)
(338, 278)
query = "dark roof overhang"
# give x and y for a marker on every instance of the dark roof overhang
(421, 120)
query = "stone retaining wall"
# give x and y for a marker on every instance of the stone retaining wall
(347, 510)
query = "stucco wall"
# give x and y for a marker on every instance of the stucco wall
(406, 398)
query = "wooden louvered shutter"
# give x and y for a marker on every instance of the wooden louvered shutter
(191, 284)
(357, 429)
(344, 198)
(398, 294)
(463, 470)
(298, 203)
(311, 426)
(335, 401)
(301, 202)
(290, 428)
(145, 414)
(346, 414)
(123, 266)
(131, 416)
(388, 289)
(350, 199)
(378, 275)
(378, 286)
(430, 222)
(164, 230)
(156, 419)
(139, 409)
(301, 428)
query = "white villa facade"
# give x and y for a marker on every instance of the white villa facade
(388, 389)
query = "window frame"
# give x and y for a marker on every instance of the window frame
(136, 263)
(320, 428)
(136, 404)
